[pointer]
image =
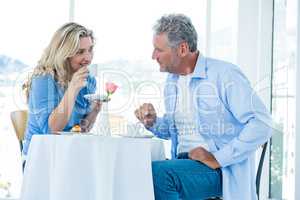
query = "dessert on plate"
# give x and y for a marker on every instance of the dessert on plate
(76, 129)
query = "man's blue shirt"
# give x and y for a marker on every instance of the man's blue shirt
(231, 117)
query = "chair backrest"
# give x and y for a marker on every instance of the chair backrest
(19, 121)
(260, 167)
(117, 124)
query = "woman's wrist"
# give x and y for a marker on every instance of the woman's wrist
(96, 107)
(72, 92)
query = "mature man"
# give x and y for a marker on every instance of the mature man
(213, 117)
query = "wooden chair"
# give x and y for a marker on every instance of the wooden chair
(19, 121)
(117, 124)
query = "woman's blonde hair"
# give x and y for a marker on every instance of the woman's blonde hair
(54, 60)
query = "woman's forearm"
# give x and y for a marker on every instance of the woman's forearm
(90, 119)
(62, 113)
(92, 116)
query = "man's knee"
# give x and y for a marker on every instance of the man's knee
(161, 172)
(163, 178)
(158, 168)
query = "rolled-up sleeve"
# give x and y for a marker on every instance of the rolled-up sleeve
(91, 85)
(247, 108)
(43, 100)
(161, 127)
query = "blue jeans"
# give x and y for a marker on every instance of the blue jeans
(185, 179)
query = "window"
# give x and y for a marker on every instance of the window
(283, 100)
(223, 37)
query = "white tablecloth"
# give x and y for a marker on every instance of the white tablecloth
(77, 167)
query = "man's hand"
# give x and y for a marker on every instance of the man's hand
(146, 114)
(204, 156)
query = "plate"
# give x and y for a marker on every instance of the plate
(96, 97)
(66, 133)
(136, 136)
(72, 133)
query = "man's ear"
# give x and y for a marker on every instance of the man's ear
(183, 49)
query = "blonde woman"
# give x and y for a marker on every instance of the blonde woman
(56, 89)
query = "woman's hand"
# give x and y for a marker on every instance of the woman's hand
(79, 79)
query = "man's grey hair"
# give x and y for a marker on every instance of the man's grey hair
(178, 28)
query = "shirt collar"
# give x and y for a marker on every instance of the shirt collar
(199, 71)
(200, 68)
